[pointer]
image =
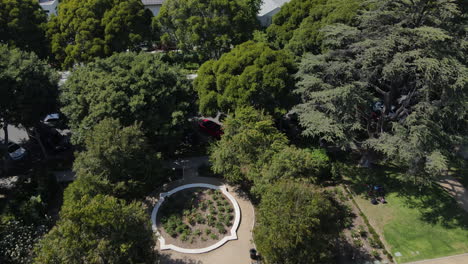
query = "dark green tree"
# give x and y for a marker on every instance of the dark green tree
(250, 139)
(121, 156)
(210, 27)
(22, 25)
(252, 74)
(28, 89)
(101, 229)
(398, 85)
(253, 152)
(296, 224)
(83, 31)
(131, 88)
(297, 27)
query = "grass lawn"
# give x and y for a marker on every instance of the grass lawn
(420, 224)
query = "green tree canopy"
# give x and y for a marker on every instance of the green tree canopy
(28, 87)
(28, 90)
(253, 152)
(120, 155)
(296, 224)
(101, 229)
(84, 30)
(398, 85)
(252, 74)
(249, 140)
(210, 27)
(131, 88)
(22, 25)
(297, 27)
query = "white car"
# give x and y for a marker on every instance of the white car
(15, 151)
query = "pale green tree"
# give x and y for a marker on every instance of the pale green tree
(252, 74)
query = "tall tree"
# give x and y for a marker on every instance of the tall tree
(28, 89)
(253, 152)
(22, 25)
(297, 26)
(207, 26)
(131, 88)
(398, 85)
(249, 140)
(252, 74)
(120, 155)
(101, 229)
(296, 225)
(84, 30)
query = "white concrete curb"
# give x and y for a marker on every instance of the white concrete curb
(225, 239)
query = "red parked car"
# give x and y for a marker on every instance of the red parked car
(211, 128)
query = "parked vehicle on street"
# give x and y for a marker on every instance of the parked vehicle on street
(52, 119)
(15, 151)
(211, 128)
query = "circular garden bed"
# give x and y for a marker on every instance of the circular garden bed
(195, 217)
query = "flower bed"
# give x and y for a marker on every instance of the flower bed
(195, 217)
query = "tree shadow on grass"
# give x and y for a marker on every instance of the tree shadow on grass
(435, 205)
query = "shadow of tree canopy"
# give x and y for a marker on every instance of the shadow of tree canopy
(435, 204)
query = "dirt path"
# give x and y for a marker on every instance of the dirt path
(456, 189)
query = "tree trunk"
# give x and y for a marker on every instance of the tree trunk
(5, 147)
(38, 138)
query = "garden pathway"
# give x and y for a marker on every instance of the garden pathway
(233, 252)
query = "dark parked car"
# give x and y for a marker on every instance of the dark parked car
(211, 128)
(15, 151)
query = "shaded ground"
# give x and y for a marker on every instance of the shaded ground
(419, 223)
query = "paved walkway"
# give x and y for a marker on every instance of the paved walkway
(233, 252)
